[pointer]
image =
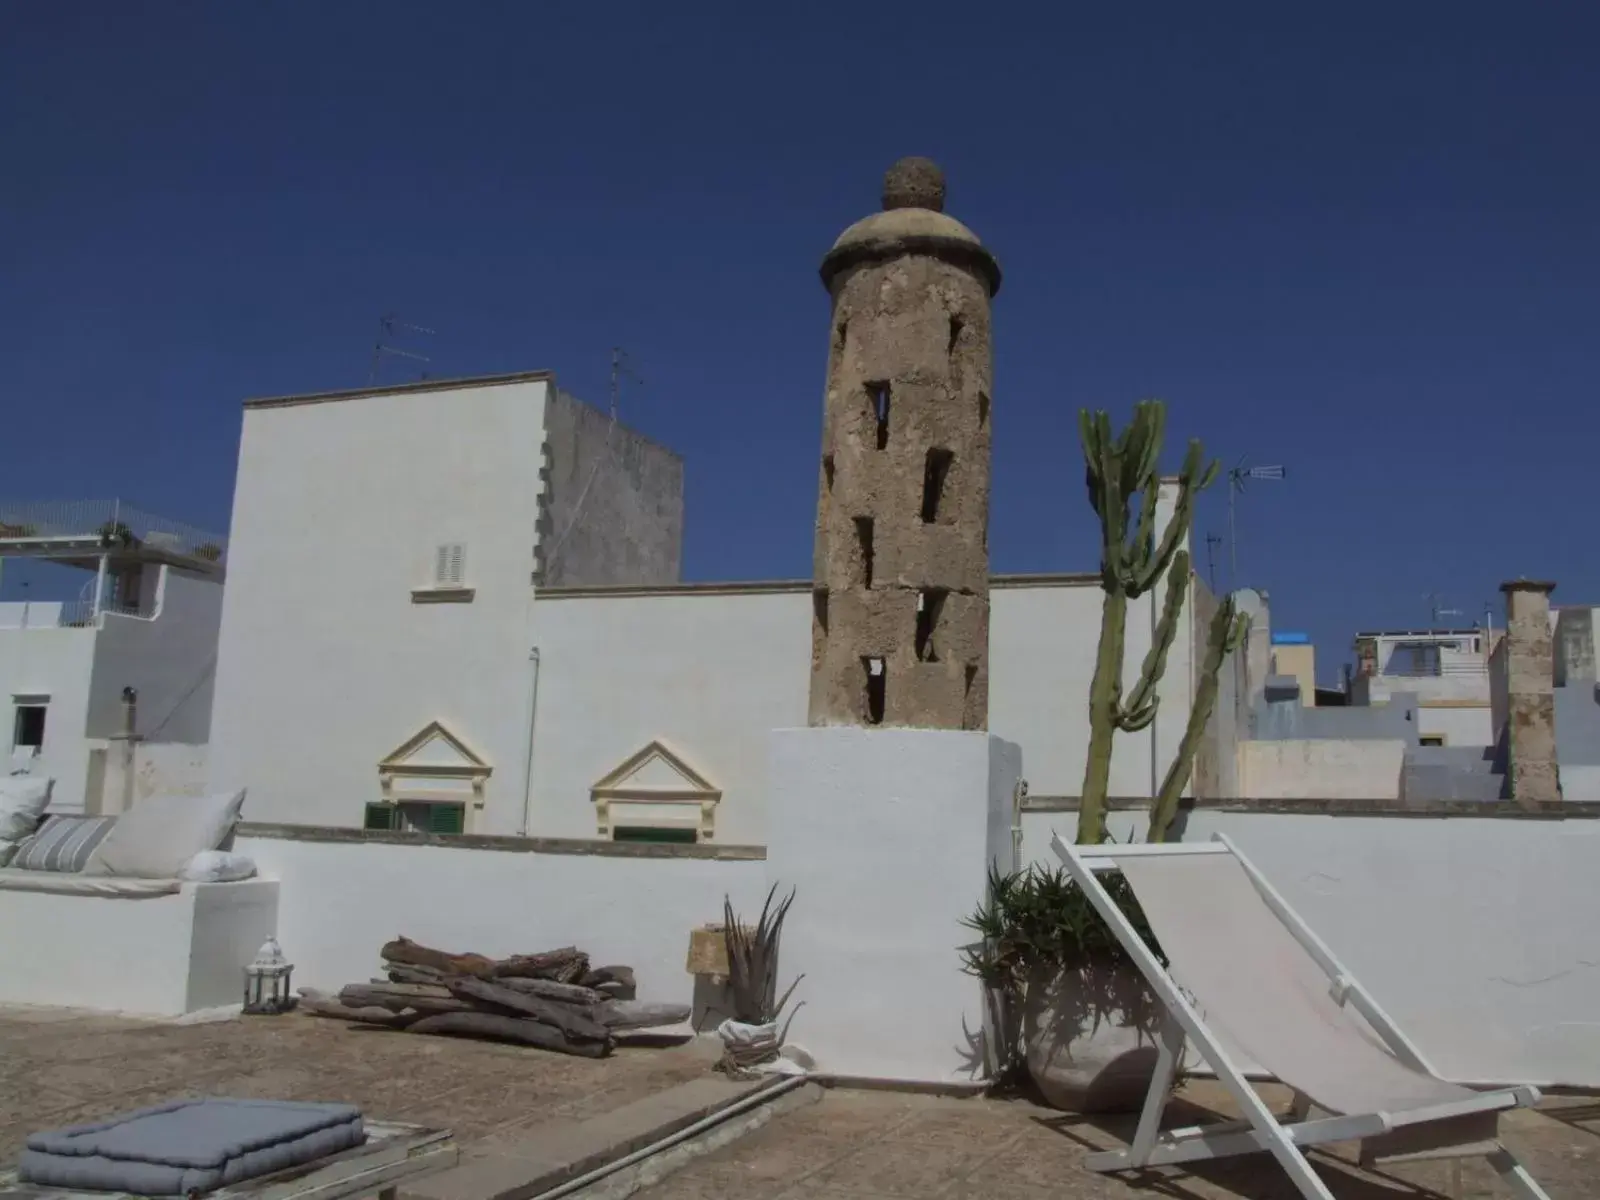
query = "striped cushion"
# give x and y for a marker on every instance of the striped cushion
(62, 843)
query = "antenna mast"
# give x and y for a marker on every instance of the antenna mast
(387, 324)
(1213, 540)
(1237, 475)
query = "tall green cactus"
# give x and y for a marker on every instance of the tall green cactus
(1116, 469)
(1228, 630)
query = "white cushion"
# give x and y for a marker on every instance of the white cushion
(218, 866)
(156, 837)
(23, 799)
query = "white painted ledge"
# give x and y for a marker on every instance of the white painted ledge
(156, 956)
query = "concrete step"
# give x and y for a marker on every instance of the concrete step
(527, 1165)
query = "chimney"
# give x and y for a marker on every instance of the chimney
(1529, 660)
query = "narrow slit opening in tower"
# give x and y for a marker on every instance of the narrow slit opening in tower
(972, 676)
(827, 470)
(880, 407)
(956, 326)
(934, 473)
(864, 540)
(819, 609)
(983, 409)
(839, 333)
(930, 604)
(877, 679)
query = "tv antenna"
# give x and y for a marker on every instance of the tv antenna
(1213, 540)
(1436, 608)
(1238, 474)
(387, 326)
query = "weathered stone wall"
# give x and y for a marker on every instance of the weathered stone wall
(1530, 693)
(901, 603)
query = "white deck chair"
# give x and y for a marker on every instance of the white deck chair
(1274, 991)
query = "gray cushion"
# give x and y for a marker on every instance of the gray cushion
(189, 1146)
(62, 843)
(157, 836)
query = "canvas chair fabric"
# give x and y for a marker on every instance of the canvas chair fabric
(1258, 987)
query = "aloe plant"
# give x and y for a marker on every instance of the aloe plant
(753, 963)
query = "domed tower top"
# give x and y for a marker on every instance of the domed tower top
(914, 183)
(913, 221)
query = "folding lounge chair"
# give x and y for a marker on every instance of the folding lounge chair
(1273, 991)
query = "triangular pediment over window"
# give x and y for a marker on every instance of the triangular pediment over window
(655, 787)
(434, 764)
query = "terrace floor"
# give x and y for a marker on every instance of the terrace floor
(59, 1067)
(888, 1146)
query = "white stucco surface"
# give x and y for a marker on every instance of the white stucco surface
(54, 662)
(162, 956)
(327, 662)
(1308, 768)
(1476, 934)
(342, 901)
(887, 836)
(1460, 726)
(169, 657)
(710, 675)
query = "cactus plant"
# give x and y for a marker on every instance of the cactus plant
(1117, 468)
(1228, 630)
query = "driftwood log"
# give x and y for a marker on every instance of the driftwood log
(509, 1029)
(567, 965)
(321, 1004)
(403, 973)
(397, 997)
(616, 982)
(572, 1021)
(549, 989)
(404, 950)
(631, 1014)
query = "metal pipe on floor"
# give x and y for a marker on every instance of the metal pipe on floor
(688, 1131)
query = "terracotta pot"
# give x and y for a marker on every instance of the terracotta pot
(1090, 1039)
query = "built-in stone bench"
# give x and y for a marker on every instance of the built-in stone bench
(138, 946)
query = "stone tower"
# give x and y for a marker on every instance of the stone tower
(900, 629)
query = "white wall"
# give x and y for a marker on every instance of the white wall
(1476, 934)
(1460, 726)
(56, 662)
(157, 956)
(170, 658)
(1308, 768)
(621, 910)
(711, 674)
(326, 664)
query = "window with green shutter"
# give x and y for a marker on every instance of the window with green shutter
(664, 836)
(443, 818)
(380, 816)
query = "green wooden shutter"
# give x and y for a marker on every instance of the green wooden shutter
(380, 816)
(446, 818)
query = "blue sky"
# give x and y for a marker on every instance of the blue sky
(1363, 242)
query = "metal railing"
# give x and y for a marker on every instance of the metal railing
(1451, 670)
(114, 521)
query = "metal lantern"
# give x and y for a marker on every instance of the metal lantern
(266, 980)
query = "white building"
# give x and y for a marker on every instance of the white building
(390, 656)
(134, 652)
(1446, 669)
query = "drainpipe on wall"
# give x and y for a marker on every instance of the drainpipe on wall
(527, 766)
(128, 735)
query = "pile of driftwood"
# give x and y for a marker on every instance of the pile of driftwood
(554, 1000)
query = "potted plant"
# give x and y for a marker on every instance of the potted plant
(1071, 1011)
(1078, 1007)
(751, 1037)
(209, 551)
